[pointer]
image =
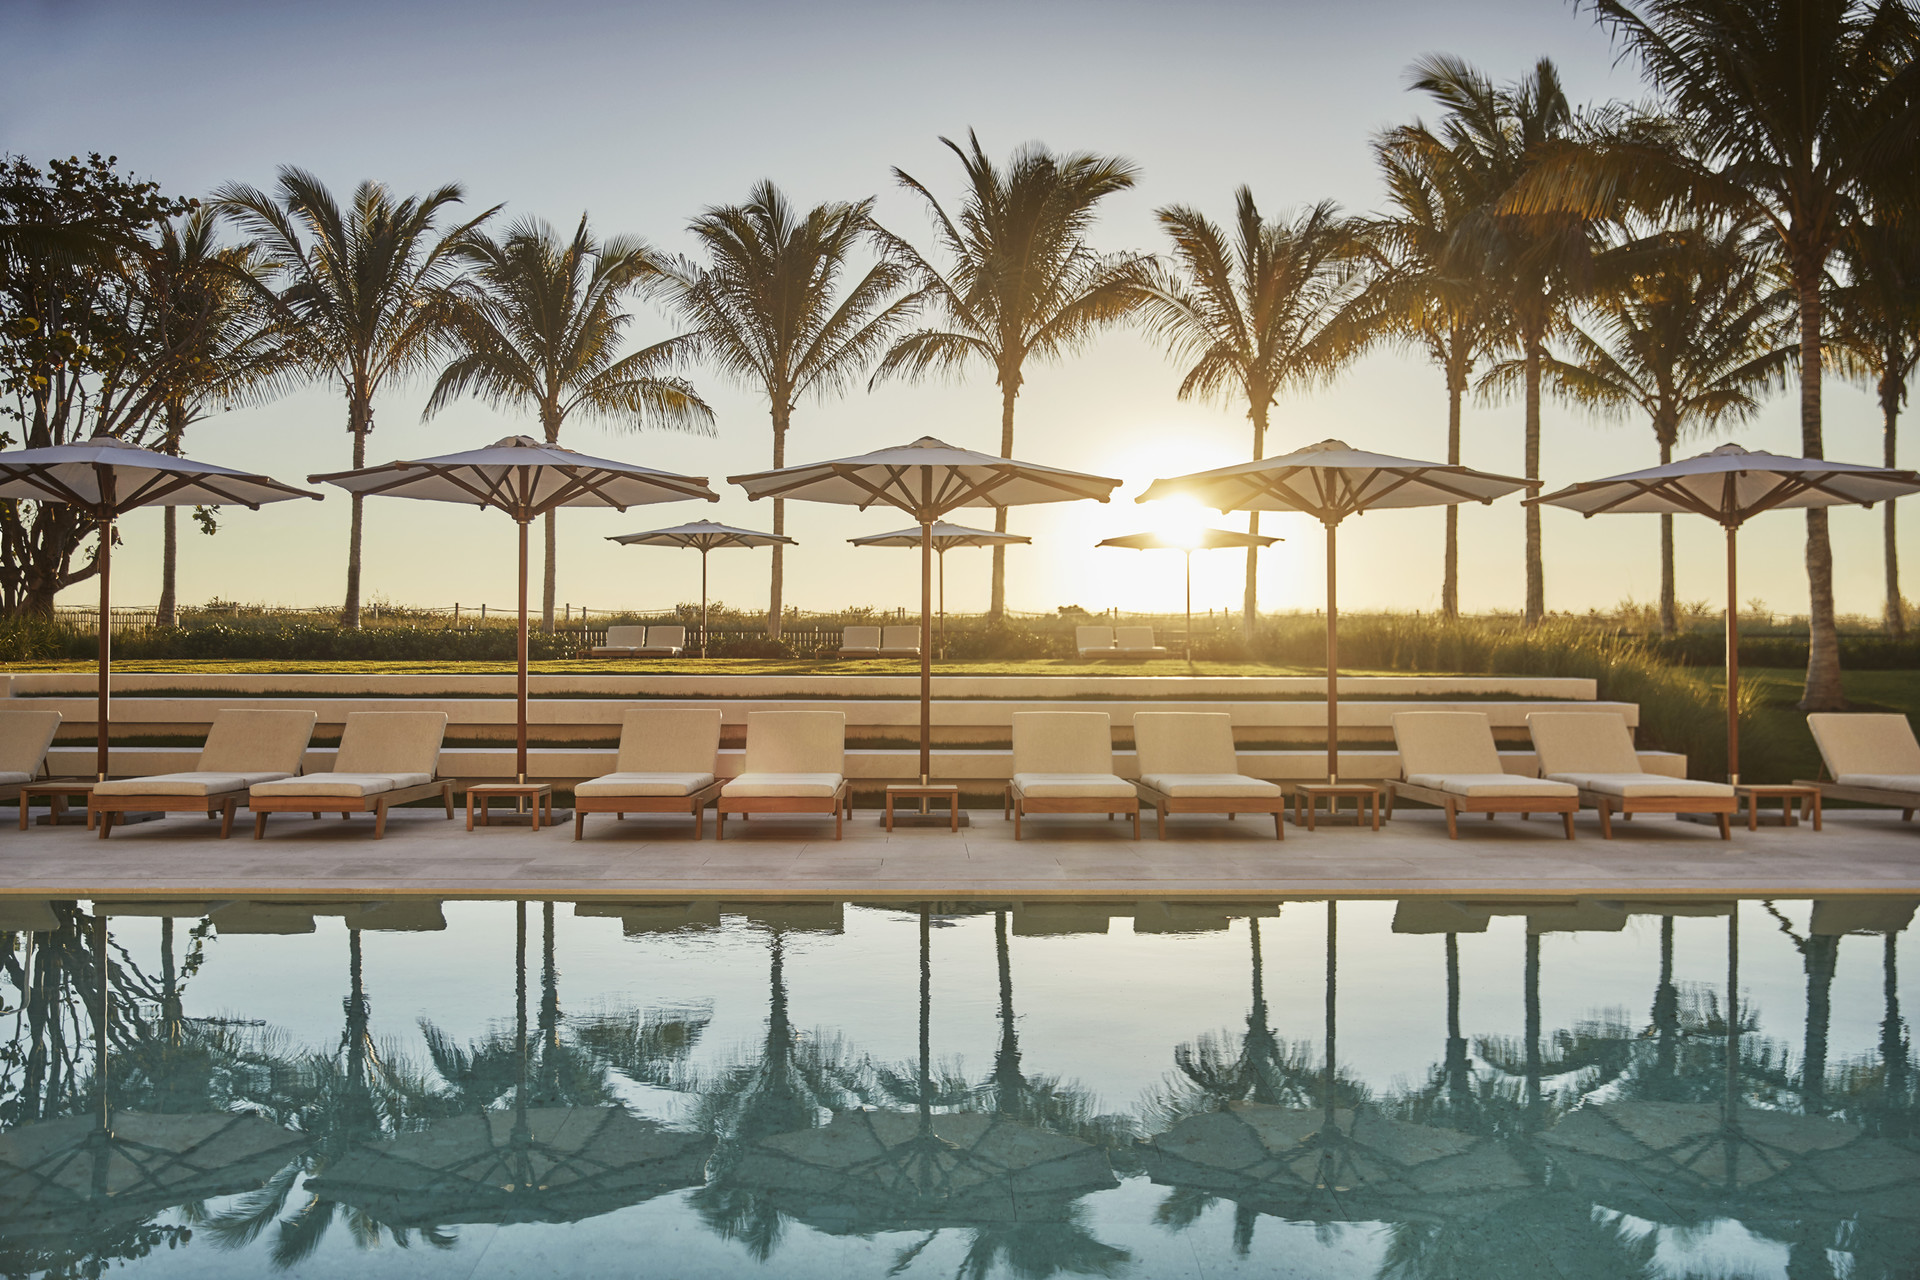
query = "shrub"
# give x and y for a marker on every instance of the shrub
(750, 647)
(1005, 642)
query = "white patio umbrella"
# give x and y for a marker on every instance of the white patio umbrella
(927, 479)
(525, 478)
(1197, 540)
(945, 538)
(1732, 485)
(106, 478)
(703, 536)
(1331, 481)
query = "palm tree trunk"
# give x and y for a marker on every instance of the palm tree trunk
(1822, 955)
(359, 421)
(168, 613)
(1669, 610)
(1251, 608)
(1536, 571)
(997, 600)
(1890, 392)
(1450, 568)
(1823, 692)
(782, 417)
(548, 571)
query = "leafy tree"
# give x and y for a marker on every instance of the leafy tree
(1022, 281)
(538, 323)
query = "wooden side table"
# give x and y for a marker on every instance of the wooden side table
(925, 791)
(1808, 798)
(539, 793)
(57, 791)
(1307, 797)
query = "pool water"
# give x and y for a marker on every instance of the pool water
(1363, 1088)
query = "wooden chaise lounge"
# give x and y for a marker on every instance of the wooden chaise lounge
(1448, 759)
(667, 764)
(243, 748)
(386, 758)
(1063, 763)
(795, 763)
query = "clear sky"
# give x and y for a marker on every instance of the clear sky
(641, 114)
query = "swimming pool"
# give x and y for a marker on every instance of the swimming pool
(1362, 1088)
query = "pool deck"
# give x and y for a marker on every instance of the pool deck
(785, 858)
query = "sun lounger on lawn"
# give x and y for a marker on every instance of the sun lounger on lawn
(1136, 642)
(1447, 758)
(1593, 750)
(666, 765)
(1188, 765)
(900, 642)
(1093, 642)
(385, 758)
(242, 748)
(860, 642)
(24, 739)
(622, 642)
(1869, 759)
(1063, 763)
(795, 763)
(663, 642)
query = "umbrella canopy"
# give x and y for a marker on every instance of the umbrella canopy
(1731, 485)
(945, 538)
(703, 536)
(1331, 481)
(526, 479)
(927, 479)
(106, 478)
(1198, 540)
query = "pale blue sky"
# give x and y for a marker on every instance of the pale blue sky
(641, 114)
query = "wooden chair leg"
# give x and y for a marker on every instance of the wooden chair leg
(1606, 820)
(226, 818)
(1136, 822)
(579, 823)
(699, 821)
(1726, 827)
(379, 819)
(1016, 820)
(1160, 821)
(719, 823)
(1453, 822)
(839, 816)
(1816, 811)
(105, 822)
(1278, 832)
(260, 824)
(446, 795)
(1567, 818)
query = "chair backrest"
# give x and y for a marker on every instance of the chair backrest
(860, 638)
(666, 637)
(1850, 743)
(1093, 637)
(901, 638)
(1184, 742)
(669, 740)
(1456, 742)
(24, 739)
(1062, 742)
(1133, 637)
(796, 742)
(625, 637)
(241, 741)
(1583, 742)
(391, 742)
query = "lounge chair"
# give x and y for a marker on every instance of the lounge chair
(1869, 759)
(622, 642)
(1063, 763)
(900, 642)
(666, 765)
(1188, 765)
(860, 642)
(1447, 758)
(385, 758)
(1593, 750)
(795, 763)
(25, 737)
(1093, 642)
(242, 748)
(663, 642)
(1136, 642)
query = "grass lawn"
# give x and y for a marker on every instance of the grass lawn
(1774, 743)
(692, 667)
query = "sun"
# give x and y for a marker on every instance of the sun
(1181, 521)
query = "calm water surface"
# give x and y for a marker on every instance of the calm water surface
(1353, 1089)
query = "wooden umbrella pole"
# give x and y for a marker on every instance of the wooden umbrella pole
(106, 647)
(943, 601)
(520, 754)
(703, 602)
(1733, 658)
(1333, 661)
(926, 650)
(1188, 554)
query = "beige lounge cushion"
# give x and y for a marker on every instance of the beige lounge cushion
(900, 640)
(1640, 785)
(391, 742)
(342, 784)
(812, 742)
(1882, 781)
(611, 651)
(626, 637)
(1210, 786)
(1596, 742)
(24, 739)
(860, 640)
(198, 783)
(1093, 639)
(1445, 742)
(1072, 786)
(1135, 640)
(1184, 742)
(664, 641)
(1491, 786)
(1062, 742)
(263, 744)
(9, 778)
(1865, 745)
(645, 784)
(669, 740)
(783, 785)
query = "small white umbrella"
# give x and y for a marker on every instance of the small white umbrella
(1198, 540)
(525, 478)
(703, 536)
(1732, 485)
(1331, 481)
(106, 478)
(927, 479)
(945, 538)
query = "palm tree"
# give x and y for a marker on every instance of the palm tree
(538, 323)
(1023, 281)
(1430, 290)
(1691, 343)
(1783, 113)
(767, 309)
(357, 294)
(1268, 310)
